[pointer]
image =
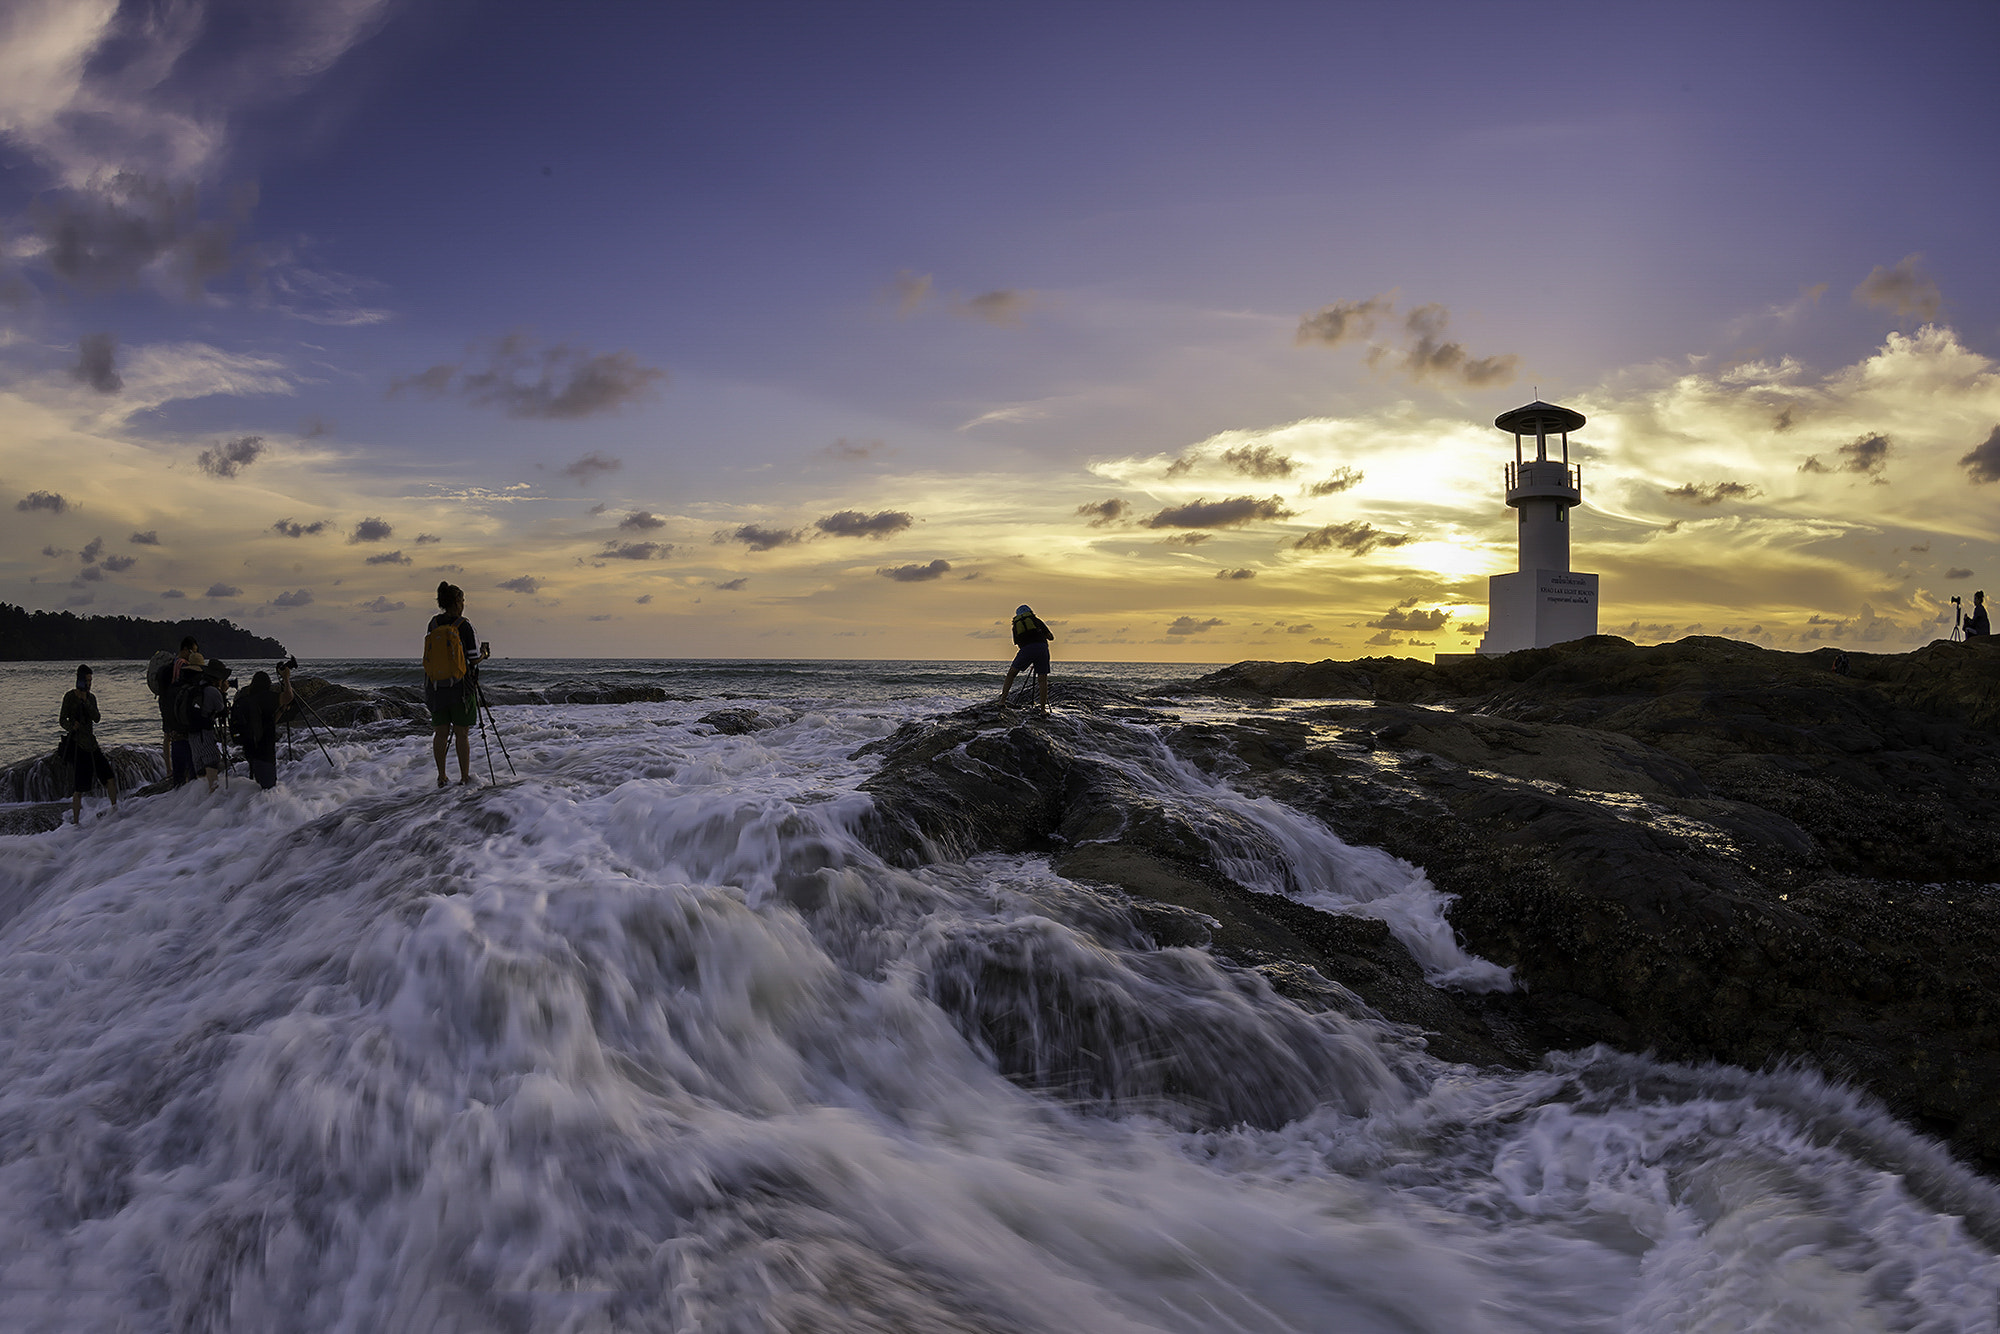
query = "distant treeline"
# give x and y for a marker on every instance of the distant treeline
(47, 636)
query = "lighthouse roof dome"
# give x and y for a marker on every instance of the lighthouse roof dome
(1539, 417)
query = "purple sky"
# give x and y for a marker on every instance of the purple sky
(473, 271)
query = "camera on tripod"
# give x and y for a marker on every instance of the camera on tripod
(290, 664)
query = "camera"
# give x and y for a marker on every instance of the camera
(486, 649)
(1955, 602)
(290, 664)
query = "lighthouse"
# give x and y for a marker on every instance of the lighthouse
(1543, 602)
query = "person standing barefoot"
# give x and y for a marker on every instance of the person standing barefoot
(78, 720)
(451, 680)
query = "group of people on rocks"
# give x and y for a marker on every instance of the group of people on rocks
(196, 715)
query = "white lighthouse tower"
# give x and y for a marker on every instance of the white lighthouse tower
(1544, 602)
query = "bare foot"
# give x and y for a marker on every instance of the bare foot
(443, 781)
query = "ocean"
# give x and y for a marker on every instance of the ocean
(643, 1037)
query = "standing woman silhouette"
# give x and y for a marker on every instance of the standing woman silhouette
(88, 767)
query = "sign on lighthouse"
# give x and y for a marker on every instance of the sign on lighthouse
(1544, 602)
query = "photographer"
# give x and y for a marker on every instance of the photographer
(451, 680)
(253, 719)
(201, 713)
(1976, 623)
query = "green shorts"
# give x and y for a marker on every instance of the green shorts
(456, 708)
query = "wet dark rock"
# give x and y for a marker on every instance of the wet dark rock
(737, 722)
(325, 704)
(1703, 849)
(42, 779)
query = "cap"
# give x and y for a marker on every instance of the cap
(1024, 610)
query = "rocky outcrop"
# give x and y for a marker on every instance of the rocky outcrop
(1704, 849)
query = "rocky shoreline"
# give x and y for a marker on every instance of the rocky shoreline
(1704, 850)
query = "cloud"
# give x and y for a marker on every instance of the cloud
(734, 585)
(1355, 538)
(1866, 455)
(369, 530)
(636, 551)
(1185, 539)
(89, 574)
(1343, 321)
(643, 599)
(388, 558)
(1385, 638)
(1231, 513)
(119, 564)
(54, 552)
(759, 538)
(1429, 356)
(97, 363)
(559, 383)
(590, 467)
(1903, 287)
(1188, 625)
(1713, 494)
(909, 290)
(173, 593)
(916, 574)
(287, 528)
(1236, 574)
(229, 459)
(220, 590)
(42, 500)
(641, 521)
(93, 89)
(149, 538)
(1302, 628)
(302, 598)
(425, 539)
(1983, 463)
(1103, 512)
(1260, 461)
(92, 550)
(847, 451)
(134, 230)
(525, 584)
(381, 606)
(1400, 619)
(1342, 479)
(1958, 572)
(1004, 307)
(853, 523)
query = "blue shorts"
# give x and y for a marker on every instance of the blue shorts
(1034, 654)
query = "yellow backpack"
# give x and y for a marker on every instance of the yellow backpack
(444, 654)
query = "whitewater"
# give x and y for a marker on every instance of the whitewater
(647, 1039)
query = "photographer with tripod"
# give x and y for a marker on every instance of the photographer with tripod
(451, 680)
(254, 721)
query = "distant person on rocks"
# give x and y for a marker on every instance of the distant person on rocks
(1976, 623)
(254, 721)
(166, 683)
(451, 680)
(1031, 639)
(88, 766)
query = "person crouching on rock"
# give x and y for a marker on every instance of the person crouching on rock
(451, 679)
(1031, 638)
(254, 720)
(88, 766)
(1977, 624)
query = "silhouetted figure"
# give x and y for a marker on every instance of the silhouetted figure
(1976, 623)
(451, 679)
(254, 721)
(166, 682)
(1031, 639)
(88, 767)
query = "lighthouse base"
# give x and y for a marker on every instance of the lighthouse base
(1534, 609)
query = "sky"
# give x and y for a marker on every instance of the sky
(838, 330)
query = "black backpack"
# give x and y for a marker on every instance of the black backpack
(190, 711)
(246, 720)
